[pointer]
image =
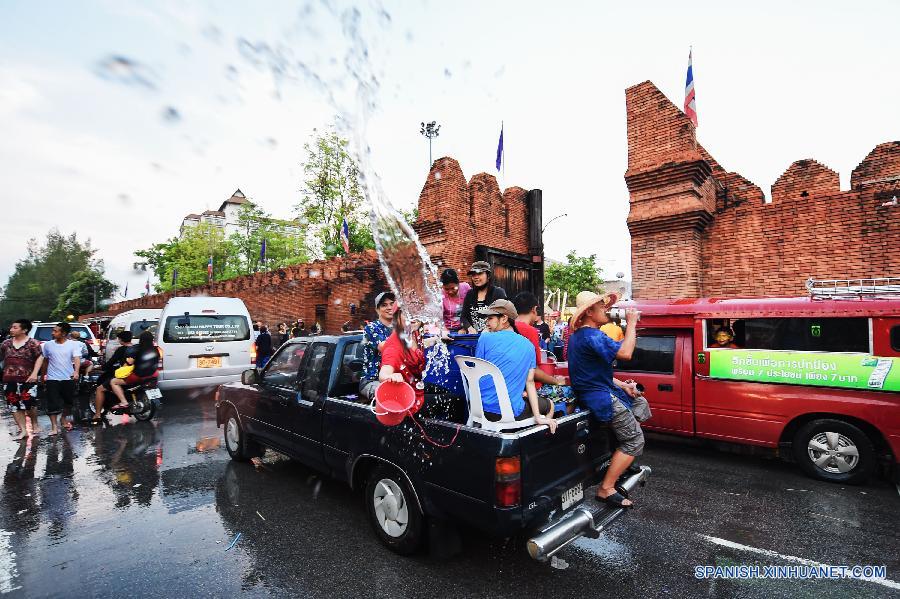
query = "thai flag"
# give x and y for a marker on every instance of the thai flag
(500, 149)
(209, 268)
(690, 103)
(345, 236)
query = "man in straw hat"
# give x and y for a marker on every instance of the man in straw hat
(591, 355)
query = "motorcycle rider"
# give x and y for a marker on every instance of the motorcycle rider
(108, 373)
(145, 358)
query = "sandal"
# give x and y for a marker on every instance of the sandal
(615, 500)
(96, 421)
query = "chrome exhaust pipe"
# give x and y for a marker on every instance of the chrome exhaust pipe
(588, 521)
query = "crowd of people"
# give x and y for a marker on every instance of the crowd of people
(516, 336)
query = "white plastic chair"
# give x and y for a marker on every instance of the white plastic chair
(472, 370)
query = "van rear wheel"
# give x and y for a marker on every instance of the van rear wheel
(834, 451)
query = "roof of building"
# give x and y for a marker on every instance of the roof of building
(213, 213)
(192, 217)
(237, 197)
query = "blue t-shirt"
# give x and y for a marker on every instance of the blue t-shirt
(513, 354)
(59, 358)
(591, 356)
(373, 334)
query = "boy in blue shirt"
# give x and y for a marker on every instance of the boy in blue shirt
(513, 354)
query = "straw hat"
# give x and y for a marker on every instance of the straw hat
(585, 300)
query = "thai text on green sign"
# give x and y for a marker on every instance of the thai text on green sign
(821, 369)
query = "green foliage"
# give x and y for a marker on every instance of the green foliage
(189, 254)
(84, 294)
(332, 193)
(284, 242)
(234, 256)
(34, 288)
(577, 273)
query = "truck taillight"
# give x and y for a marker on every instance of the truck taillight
(159, 365)
(253, 353)
(508, 482)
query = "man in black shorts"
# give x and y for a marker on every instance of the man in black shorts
(63, 359)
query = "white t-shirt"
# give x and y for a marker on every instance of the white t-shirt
(59, 358)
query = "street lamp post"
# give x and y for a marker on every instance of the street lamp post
(430, 131)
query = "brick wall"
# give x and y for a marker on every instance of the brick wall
(454, 217)
(699, 230)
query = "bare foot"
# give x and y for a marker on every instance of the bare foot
(53, 432)
(20, 436)
(67, 425)
(37, 430)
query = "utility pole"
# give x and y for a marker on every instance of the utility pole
(94, 288)
(430, 131)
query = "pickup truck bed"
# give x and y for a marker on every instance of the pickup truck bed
(503, 483)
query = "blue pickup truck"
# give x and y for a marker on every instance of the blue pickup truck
(304, 404)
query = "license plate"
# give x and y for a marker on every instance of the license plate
(153, 393)
(209, 362)
(572, 496)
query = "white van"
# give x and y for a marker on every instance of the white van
(137, 321)
(204, 341)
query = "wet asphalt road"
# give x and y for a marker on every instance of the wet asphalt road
(148, 509)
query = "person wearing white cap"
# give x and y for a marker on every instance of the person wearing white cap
(514, 355)
(374, 336)
(591, 356)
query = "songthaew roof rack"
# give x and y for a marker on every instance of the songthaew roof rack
(851, 288)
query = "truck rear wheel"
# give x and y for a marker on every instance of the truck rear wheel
(393, 511)
(834, 451)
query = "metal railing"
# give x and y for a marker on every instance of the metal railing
(847, 288)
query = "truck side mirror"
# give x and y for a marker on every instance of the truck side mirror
(250, 377)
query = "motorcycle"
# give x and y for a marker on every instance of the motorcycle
(143, 399)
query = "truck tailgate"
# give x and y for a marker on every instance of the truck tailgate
(554, 465)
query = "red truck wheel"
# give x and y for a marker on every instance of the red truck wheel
(834, 451)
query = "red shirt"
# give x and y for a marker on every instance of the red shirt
(18, 362)
(408, 362)
(533, 335)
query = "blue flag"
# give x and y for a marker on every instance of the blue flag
(126, 290)
(262, 251)
(500, 149)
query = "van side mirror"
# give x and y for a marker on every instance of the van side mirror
(250, 377)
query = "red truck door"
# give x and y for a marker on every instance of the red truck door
(658, 364)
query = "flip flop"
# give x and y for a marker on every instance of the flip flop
(615, 500)
(96, 421)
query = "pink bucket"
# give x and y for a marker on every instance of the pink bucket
(393, 401)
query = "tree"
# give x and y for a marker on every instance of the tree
(233, 256)
(84, 294)
(285, 243)
(190, 255)
(332, 193)
(34, 288)
(577, 273)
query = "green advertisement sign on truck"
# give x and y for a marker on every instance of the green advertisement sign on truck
(820, 369)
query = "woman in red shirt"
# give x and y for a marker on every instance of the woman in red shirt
(403, 357)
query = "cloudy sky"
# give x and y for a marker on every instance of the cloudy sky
(119, 119)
